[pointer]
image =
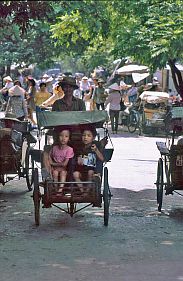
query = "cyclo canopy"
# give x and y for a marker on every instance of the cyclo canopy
(154, 97)
(50, 119)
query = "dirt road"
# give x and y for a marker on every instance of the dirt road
(138, 245)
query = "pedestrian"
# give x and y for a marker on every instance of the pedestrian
(41, 96)
(16, 102)
(99, 95)
(48, 80)
(8, 84)
(58, 93)
(114, 100)
(84, 86)
(93, 85)
(30, 96)
(132, 93)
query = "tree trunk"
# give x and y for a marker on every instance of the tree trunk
(177, 77)
(8, 70)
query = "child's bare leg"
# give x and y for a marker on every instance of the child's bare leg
(90, 178)
(55, 177)
(77, 178)
(90, 175)
(63, 175)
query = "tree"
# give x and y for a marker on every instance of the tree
(150, 32)
(24, 40)
(22, 12)
(81, 30)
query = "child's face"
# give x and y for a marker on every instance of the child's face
(87, 137)
(64, 137)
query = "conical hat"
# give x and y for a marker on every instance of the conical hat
(115, 87)
(16, 91)
(7, 78)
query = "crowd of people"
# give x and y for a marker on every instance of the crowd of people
(25, 95)
(71, 93)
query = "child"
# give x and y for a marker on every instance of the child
(59, 157)
(88, 157)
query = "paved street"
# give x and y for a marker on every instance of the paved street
(139, 244)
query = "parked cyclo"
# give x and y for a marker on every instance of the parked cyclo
(170, 164)
(72, 197)
(154, 107)
(16, 143)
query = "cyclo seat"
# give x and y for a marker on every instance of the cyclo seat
(10, 150)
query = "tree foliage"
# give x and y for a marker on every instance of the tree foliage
(22, 12)
(151, 32)
(93, 32)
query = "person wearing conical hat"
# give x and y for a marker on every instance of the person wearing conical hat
(8, 84)
(84, 86)
(113, 100)
(16, 102)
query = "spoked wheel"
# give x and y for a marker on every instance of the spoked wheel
(36, 197)
(1, 105)
(160, 184)
(29, 168)
(106, 197)
(132, 122)
(98, 197)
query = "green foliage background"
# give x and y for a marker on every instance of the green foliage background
(84, 34)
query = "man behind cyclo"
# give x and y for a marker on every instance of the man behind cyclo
(67, 103)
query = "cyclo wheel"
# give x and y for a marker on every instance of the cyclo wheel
(160, 184)
(1, 105)
(29, 168)
(98, 196)
(36, 197)
(132, 122)
(106, 197)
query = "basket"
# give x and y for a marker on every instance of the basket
(176, 166)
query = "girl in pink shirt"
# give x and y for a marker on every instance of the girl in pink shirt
(59, 157)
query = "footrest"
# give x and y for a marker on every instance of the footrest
(162, 148)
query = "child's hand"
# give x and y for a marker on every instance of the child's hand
(94, 147)
(80, 160)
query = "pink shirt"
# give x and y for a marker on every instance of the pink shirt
(61, 154)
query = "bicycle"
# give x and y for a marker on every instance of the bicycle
(131, 119)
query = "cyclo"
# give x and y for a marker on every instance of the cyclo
(170, 164)
(154, 107)
(91, 193)
(15, 150)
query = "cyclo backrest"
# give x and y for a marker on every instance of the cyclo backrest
(10, 150)
(176, 166)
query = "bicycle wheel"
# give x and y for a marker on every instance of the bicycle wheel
(106, 197)
(36, 197)
(29, 167)
(132, 122)
(1, 104)
(160, 184)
